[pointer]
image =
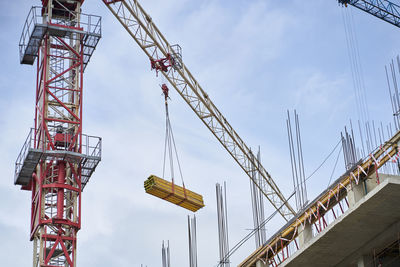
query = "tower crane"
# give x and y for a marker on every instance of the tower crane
(57, 158)
(166, 59)
(383, 9)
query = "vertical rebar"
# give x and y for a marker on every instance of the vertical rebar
(293, 162)
(297, 160)
(254, 203)
(192, 241)
(263, 233)
(165, 254)
(222, 225)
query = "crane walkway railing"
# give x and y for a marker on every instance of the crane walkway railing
(87, 153)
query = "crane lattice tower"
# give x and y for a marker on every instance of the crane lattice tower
(57, 160)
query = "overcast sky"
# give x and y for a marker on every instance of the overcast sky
(255, 59)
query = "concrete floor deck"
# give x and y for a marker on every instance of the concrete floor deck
(371, 223)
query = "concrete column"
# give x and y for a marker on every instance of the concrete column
(355, 192)
(305, 235)
(261, 263)
(372, 181)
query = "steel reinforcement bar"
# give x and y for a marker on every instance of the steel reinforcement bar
(278, 244)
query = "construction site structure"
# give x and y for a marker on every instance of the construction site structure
(337, 206)
(57, 159)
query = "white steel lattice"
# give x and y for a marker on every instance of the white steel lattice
(142, 29)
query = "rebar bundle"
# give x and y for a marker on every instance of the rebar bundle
(349, 149)
(222, 225)
(166, 262)
(257, 203)
(393, 87)
(192, 241)
(296, 160)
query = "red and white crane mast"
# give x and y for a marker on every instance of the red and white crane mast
(57, 159)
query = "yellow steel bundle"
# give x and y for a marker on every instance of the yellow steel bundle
(173, 193)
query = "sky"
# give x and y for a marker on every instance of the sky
(255, 59)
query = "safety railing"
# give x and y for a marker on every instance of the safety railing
(86, 146)
(24, 152)
(91, 146)
(36, 25)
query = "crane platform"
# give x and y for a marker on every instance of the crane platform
(30, 156)
(88, 31)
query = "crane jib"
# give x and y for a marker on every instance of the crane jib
(143, 30)
(383, 9)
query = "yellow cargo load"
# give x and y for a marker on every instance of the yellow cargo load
(175, 194)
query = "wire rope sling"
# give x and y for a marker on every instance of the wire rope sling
(163, 188)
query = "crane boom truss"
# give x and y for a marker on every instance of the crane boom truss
(142, 29)
(383, 9)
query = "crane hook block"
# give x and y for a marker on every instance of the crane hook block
(165, 91)
(173, 193)
(161, 64)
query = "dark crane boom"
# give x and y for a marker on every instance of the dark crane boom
(383, 9)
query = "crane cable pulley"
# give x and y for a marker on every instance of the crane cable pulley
(170, 146)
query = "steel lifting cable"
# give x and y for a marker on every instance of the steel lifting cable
(323, 162)
(334, 167)
(169, 144)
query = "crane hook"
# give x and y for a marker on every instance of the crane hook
(165, 91)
